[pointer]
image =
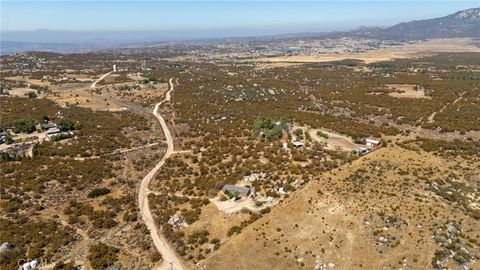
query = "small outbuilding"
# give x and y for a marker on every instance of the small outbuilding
(298, 144)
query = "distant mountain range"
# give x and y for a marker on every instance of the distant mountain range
(465, 23)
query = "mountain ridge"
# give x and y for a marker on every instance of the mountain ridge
(461, 24)
(464, 23)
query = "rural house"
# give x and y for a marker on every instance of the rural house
(240, 191)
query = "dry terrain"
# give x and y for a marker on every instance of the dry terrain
(370, 214)
(413, 50)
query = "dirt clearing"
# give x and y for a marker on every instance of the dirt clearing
(408, 91)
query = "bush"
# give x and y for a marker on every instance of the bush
(191, 216)
(102, 256)
(61, 136)
(155, 256)
(67, 125)
(234, 230)
(31, 94)
(64, 266)
(231, 194)
(97, 192)
(298, 132)
(321, 134)
(383, 142)
(39, 88)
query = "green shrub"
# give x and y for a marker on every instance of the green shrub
(25, 125)
(66, 125)
(322, 134)
(31, 94)
(102, 256)
(97, 192)
(61, 136)
(298, 132)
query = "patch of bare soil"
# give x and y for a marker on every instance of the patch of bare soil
(408, 91)
(333, 141)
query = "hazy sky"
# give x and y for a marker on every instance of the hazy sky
(218, 16)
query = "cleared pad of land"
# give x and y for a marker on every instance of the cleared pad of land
(407, 91)
(334, 141)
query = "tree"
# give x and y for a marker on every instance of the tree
(270, 130)
(273, 134)
(26, 125)
(97, 192)
(8, 138)
(31, 94)
(383, 142)
(66, 125)
(298, 132)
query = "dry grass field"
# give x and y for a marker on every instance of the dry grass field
(369, 214)
(413, 203)
(414, 50)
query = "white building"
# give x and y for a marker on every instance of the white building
(372, 143)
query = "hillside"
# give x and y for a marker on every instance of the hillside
(465, 23)
(371, 214)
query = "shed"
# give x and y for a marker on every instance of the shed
(298, 144)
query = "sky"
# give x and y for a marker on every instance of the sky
(217, 18)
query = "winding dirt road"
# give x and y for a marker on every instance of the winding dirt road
(170, 259)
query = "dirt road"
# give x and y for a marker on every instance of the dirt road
(170, 259)
(431, 118)
(94, 84)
